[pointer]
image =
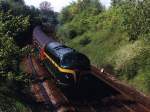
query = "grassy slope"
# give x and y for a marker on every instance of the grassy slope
(129, 60)
(109, 47)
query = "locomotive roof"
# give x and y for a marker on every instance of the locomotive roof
(41, 37)
(53, 45)
(58, 49)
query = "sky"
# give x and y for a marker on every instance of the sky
(57, 5)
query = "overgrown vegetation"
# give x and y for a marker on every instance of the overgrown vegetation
(117, 38)
(16, 24)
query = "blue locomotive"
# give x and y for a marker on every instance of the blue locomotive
(66, 65)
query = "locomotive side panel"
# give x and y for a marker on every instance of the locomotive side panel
(40, 37)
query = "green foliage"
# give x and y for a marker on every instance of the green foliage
(9, 102)
(136, 18)
(116, 38)
(84, 41)
(14, 26)
(18, 20)
(20, 107)
(9, 52)
(20, 2)
(89, 5)
(16, 23)
(116, 2)
(86, 7)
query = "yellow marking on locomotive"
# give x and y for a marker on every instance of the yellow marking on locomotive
(59, 68)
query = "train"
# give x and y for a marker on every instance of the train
(66, 65)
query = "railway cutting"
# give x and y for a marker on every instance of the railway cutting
(63, 86)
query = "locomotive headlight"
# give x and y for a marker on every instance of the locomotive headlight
(68, 76)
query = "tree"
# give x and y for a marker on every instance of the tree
(9, 54)
(65, 15)
(45, 6)
(21, 2)
(89, 4)
(48, 16)
(19, 20)
(136, 18)
(4, 6)
(14, 26)
(116, 2)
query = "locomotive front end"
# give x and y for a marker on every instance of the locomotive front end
(79, 64)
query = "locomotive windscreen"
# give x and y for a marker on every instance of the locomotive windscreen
(75, 60)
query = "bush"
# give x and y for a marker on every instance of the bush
(136, 18)
(71, 32)
(84, 41)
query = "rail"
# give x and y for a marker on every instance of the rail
(53, 99)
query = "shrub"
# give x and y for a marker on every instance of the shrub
(84, 41)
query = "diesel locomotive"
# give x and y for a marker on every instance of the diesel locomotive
(66, 65)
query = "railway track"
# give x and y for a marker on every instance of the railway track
(96, 93)
(45, 90)
(39, 86)
(133, 101)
